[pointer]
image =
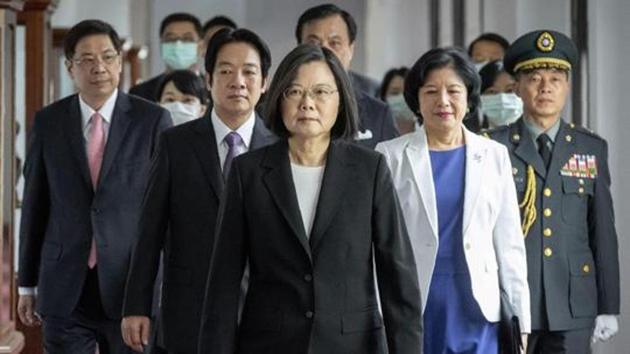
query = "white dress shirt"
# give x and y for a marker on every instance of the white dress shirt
(221, 130)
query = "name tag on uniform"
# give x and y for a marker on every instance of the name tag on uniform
(580, 165)
(367, 134)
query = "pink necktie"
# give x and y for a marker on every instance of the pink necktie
(95, 151)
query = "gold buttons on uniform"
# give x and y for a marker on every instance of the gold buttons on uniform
(572, 125)
(548, 252)
(547, 212)
(568, 138)
(514, 171)
(586, 268)
(581, 190)
(581, 181)
(547, 232)
(547, 192)
(516, 137)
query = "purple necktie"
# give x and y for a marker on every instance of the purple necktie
(234, 142)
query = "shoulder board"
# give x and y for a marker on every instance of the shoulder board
(584, 131)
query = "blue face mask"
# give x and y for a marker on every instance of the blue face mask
(179, 55)
(501, 108)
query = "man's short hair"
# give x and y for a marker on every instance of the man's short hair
(489, 37)
(181, 17)
(323, 11)
(220, 20)
(88, 28)
(241, 35)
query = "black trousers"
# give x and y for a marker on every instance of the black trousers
(86, 327)
(560, 342)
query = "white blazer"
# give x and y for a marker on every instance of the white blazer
(493, 241)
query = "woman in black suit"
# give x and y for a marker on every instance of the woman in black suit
(317, 219)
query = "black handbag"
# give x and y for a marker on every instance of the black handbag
(509, 329)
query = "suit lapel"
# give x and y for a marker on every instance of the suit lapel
(205, 147)
(476, 156)
(74, 131)
(417, 154)
(260, 136)
(278, 180)
(119, 123)
(526, 149)
(337, 177)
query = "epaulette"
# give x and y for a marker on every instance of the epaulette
(492, 131)
(585, 131)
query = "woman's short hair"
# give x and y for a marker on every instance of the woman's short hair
(187, 82)
(439, 58)
(389, 76)
(226, 36)
(489, 74)
(346, 125)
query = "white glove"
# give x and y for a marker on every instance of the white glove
(606, 326)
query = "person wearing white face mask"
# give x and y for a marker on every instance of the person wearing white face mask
(183, 94)
(499, 104)
(181, 45)
(391, 91)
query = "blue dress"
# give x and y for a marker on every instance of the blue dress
(453, 322)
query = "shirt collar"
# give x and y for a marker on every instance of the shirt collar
(221, 130)
(535, 131)
(106, 111)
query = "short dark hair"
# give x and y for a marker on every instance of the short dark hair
(346, 125)
(489, 37)
(242, 35)
(323, 11)
(439, 58)
(489, 74)
(389, 76)
(187, 82)
(88, 28)
(181, 17)
(219, 21)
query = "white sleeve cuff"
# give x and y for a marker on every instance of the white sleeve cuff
(27, 290)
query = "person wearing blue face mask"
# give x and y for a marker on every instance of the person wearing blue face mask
(499, 104)
(180, 47)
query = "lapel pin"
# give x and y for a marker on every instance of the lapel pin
(568, 138)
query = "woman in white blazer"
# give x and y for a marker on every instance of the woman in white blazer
(460, 208)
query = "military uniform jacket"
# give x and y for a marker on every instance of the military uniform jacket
(572, 257)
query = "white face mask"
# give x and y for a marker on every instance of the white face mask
(501, 108)
(183, 112)
(399, 108)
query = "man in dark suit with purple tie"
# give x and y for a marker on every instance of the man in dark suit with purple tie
(182, 201)
(85, 174)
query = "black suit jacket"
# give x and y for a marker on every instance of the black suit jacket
(364, 83)
(572, 255)
(317, 294)
(148, 89)
(376, 122)
(183, 194)
(61, 211)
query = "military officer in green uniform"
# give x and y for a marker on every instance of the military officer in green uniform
(563, 185)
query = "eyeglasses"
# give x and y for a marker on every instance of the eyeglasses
(88, 61)
(321, 93)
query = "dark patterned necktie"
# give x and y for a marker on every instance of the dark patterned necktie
(543, 148)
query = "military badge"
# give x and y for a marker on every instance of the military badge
(580, 165)
(545, 42)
